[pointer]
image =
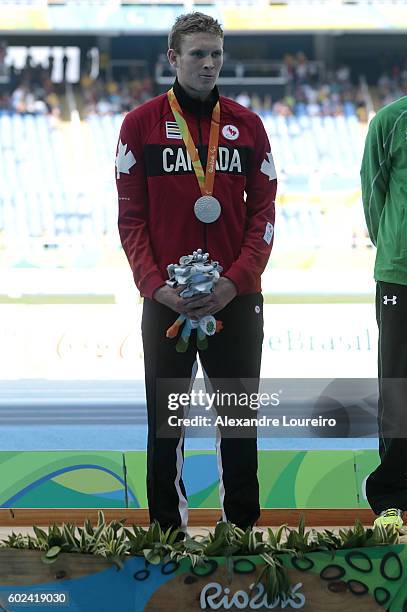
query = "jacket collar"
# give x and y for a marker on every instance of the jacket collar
(194, 106)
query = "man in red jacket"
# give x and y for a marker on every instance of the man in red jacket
(195, 170)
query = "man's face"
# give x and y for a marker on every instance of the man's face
(199, 63)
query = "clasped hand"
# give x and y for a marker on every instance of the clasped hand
(197, 306)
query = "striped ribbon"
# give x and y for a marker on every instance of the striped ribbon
(205, 181)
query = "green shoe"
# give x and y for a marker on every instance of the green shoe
(391, 516)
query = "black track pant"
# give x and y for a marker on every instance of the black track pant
(386, 487)
(235, 352)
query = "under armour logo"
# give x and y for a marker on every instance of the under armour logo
(392, 300)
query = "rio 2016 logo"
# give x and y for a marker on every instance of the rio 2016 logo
(215, 597)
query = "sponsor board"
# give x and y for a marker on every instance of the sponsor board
(104, 341)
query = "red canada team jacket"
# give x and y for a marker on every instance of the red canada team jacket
(157, 190)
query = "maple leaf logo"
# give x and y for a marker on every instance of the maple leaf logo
(124, 161)
(230, 132)
(268, 168)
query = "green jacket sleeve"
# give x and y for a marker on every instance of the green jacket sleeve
(374, 176)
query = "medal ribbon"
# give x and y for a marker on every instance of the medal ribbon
(205, 181)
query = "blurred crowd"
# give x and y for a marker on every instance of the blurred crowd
(309, 91)
(323, 99)
(392, 85)
(29, 90)
(32, 94)
(106, 97)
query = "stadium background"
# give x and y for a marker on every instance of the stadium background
(72, 399)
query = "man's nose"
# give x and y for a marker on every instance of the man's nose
(209, 63)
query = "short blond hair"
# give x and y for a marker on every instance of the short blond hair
(189, 24)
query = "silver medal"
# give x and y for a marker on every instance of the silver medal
(207, 209)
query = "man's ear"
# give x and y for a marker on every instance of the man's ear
(172, 57)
